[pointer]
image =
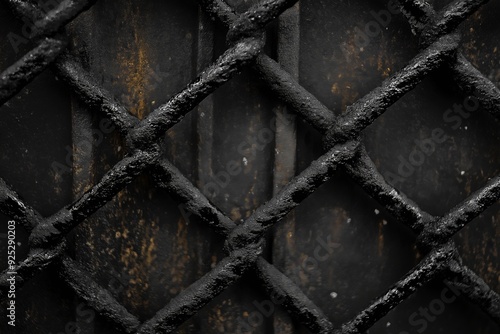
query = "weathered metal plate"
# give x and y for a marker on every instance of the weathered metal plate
(340, 246)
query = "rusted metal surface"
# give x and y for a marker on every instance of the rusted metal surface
(194, 230)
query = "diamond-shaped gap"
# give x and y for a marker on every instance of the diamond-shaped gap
(340, 232)
(339, 222)
(428, 144)
(155, 248)
(435, 308)
(342, 62)
(432, 106)
(243, 138)
(35, 141)
(236, 171)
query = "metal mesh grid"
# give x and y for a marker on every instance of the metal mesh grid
(439, 42)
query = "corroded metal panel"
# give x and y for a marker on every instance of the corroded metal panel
(250, 166)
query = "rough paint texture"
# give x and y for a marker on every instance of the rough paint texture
(140, 161)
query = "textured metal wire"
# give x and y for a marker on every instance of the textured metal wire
(439, 41)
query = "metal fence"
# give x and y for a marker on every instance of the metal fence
(244, 242)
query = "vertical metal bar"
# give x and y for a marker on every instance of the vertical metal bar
(83, 175)
(82, 172)
(203, 122)
(285, 152)
(204, 119)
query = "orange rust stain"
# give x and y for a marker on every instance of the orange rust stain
(290, 235)
(383, 66)
(218, 320)
(180, 258)
(148, 246)
(471, 49)
(249, 204)
(384, 60)
(340, 218)
(235, 214)
(139, 260)
(346, 84)
(418, 255)
(135, 66)
(302, 272)
(132, 242)
(213, 260)
(335, 88)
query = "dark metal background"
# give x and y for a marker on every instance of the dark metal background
(130, 248)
